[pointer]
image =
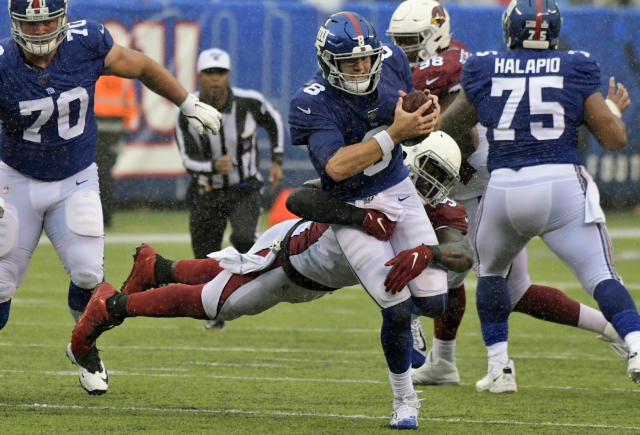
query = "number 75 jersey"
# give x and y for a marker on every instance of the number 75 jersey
(531, 102)
(48, 123)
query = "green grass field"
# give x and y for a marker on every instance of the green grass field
(308, 368)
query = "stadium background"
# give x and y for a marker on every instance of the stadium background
(271, 47)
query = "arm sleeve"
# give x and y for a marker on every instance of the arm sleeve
(317, 205)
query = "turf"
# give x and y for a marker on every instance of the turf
(308, 368)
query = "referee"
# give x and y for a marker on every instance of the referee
(225, 179)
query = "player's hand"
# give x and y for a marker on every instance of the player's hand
(378, 225)
(201, 116)
(619, 96)
(419, 123)
(466, 172)
(405, 266)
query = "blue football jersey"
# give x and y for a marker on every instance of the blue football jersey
(326, 119)
(531, 102)
(49, 127)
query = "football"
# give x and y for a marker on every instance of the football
(413, 100)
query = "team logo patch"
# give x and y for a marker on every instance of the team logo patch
(371, 114)
(437, 15)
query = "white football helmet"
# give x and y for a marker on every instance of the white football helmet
(434, 166)
(421, 28)
(32, 12)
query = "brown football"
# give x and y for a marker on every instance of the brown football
(413, 100)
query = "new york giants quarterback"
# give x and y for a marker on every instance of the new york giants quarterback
(350, 118)
(49, 180)
(532, 98)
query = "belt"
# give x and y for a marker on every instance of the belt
(291, 271)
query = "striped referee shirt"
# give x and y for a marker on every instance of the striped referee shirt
(243, 112)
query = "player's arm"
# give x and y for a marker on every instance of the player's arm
(458, 121)
(352, 159)
(602, 118)
(124, 62)
(312, 203)
(455, 251)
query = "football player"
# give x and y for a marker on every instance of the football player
(351, 120)
(294, 261)
(422, 29)
(48, 71)
(532, 98)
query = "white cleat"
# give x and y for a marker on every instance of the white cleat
(405, 412)
(617, 344)
(440, 372)
(499, 381)
(419, 343)
(91, 372)
(633, 367)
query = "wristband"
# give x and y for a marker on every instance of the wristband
(613, 107)
(385, 142)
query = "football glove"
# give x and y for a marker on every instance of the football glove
(405, 266)
(378, 224)
(200, 115)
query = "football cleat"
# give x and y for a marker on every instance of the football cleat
(609, 335)
(502, 380)
(633, 367)
(405, 412)
(440, 372)
(214, 324)
(92, 374)
(94, 321)
(142, 275)
(419, 352)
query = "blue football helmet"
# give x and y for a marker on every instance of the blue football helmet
(533, 24)
(344, 36)
(33, 11)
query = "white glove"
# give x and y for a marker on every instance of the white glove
(200, 115)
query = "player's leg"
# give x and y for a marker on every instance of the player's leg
(20, 229)
(589, 254)
(208, 213)
(244, 219)
(505, 224)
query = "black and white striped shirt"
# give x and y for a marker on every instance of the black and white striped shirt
(243, 112)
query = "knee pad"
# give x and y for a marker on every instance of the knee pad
(431, 306)
(8, 230)
(84, 214)
(85, 280)
(4, 313)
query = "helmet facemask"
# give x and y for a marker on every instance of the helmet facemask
(433, 177)
(356, 84)
(39, 45)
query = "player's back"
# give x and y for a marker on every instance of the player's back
(531, 102)
(49, 126)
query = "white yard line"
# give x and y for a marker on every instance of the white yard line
(296, 414)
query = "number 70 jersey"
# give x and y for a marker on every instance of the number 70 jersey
(48, 123)
(531, 102)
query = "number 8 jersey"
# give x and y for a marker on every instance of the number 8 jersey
(531, 102)
(48, 123)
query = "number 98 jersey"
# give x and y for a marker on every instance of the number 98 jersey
(49, 127)
(531, 102)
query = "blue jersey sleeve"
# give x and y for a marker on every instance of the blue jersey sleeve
(585, 73)
(474, 78)
(98, 40)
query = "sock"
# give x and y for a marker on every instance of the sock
(498, 356)
(176, 300)
(550, 304)
(444, 349)
(618, 307)
(198, 271)
(395, 336)
(494, 306)
(77, 299)
(446, 325)
(591, 319)
(401, 385)
(163, 271)
(4, 312)
(633, 341)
